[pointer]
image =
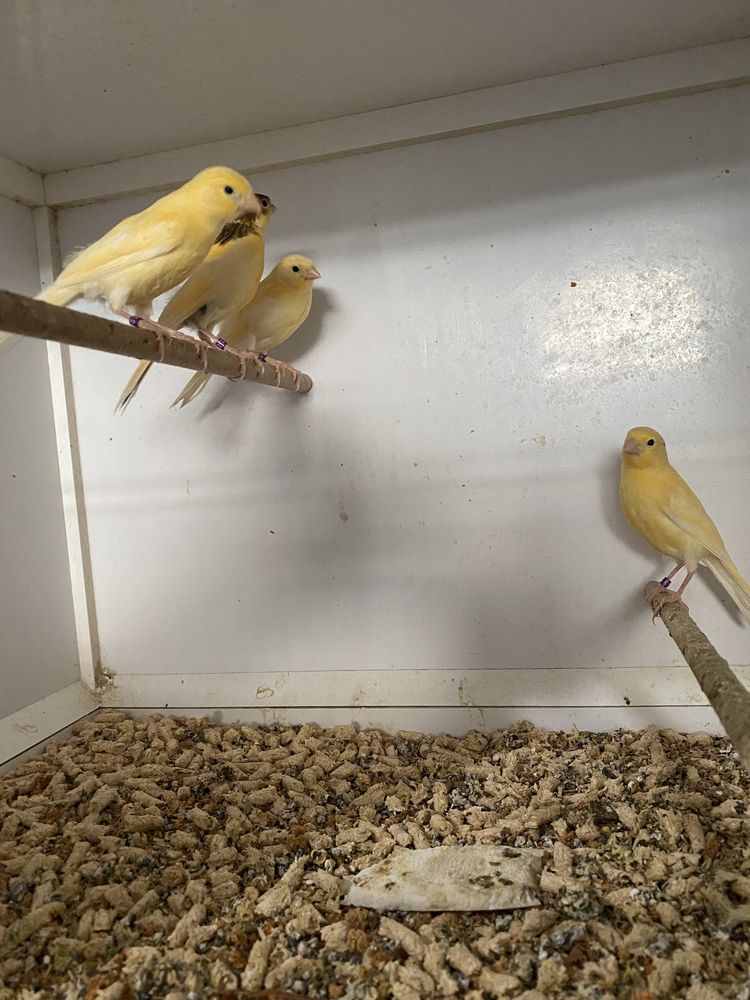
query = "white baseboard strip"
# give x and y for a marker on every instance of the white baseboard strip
(597, 687)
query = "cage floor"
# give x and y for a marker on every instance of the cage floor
(176, 858)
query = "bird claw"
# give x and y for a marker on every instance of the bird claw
(281, 367)
(208, 338)
(202, 353)
(140, 322)
(161, 331)
(657, 598)
(259, 362)
(243, 357)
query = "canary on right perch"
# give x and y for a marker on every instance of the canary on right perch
(663, 509)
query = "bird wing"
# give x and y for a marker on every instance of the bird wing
(122, 247)
(189, 298)
(222, 283)
(686, 511)
(282, 321)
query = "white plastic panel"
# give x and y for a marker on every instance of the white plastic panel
(88, 91)
(37, 643)
(495, 312)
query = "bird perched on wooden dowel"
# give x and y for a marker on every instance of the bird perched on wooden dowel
(221, 285)
(280, 306)
(148, 253)
(663, 509)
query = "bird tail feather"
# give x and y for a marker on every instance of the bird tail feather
(732, 581)
(133, 383)
(58, 295)
(193, 388)
(55, 295)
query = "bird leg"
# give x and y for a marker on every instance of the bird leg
(208, 338)
(160, 331)
(666, 582)
(150, 324)
(244, 357)
(202, 352)
(658, 598)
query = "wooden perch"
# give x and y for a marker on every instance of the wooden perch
(34, 318)
(729, 698)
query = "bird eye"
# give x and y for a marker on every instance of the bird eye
(295, 268)
(651, 442)
(228, 189)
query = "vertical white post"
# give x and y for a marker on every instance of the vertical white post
(63, 403)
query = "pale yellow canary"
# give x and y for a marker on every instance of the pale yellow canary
(222, 284)
(148, 253)
(280, 306)
(663, 509)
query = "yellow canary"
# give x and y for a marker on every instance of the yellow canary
(280, 306)
(663, 509)
(147, 254)
(227, 280)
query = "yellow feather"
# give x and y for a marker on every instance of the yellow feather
(192, 388)
(132, 385)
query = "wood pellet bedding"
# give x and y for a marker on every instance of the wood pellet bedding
(176, 858)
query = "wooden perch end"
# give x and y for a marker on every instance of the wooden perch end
(728, 697)
(33, 318)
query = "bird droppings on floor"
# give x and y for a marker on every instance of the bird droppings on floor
(176, 858)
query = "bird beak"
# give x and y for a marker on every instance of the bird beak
(311, 274)
(249, 205)
(631, 447)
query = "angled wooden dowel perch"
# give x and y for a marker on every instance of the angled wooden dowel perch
(33, 318)
(729, 698)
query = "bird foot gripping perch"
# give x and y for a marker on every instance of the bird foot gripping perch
(280, 367)
(242, 356)
(659, 595)
(259, 363)
(140, 322)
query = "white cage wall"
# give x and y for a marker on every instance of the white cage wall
(35, 590)
(430, 539)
